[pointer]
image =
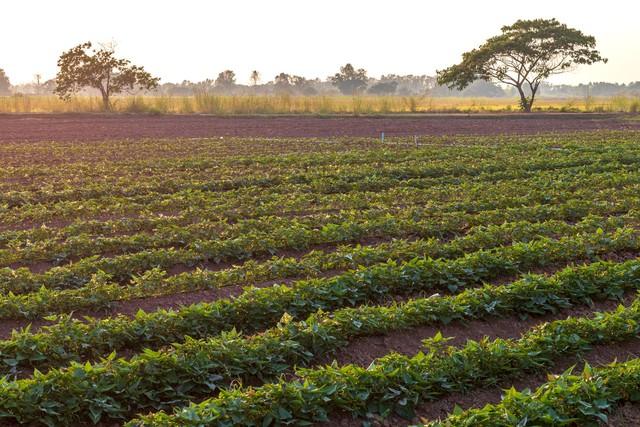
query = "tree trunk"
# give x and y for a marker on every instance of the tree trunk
(534, 90)
(106, 105)
(525, 103)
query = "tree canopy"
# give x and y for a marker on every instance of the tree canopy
(82, 67)
(282, 83)
(349, 80)
(524, 55)
(226, 79)
(384, 88)
(303, 85)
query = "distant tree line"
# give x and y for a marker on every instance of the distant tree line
(348, 81)
(357, 84)
(591, 89)
(517, 62)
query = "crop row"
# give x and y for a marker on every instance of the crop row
(181, 152)
(186, 199)
(584, 399)
(197, 167)
(172, 176)
(409, 222)
(324, 182)
(398, 383)
(198, 368)
(117, 175)
(257, 309)
(23, 248)
(298, 204)
(215, 206)
(100, 292)
(187, 207)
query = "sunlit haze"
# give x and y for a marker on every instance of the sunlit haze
(194, 40)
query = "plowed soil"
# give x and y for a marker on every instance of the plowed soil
(94, 127)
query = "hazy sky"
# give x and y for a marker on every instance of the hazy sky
(193, 40)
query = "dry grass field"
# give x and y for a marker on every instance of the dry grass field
(234, 105)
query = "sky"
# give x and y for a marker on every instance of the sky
(194, 40)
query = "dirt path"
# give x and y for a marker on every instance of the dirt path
(70, 127)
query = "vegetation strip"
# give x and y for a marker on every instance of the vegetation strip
(101, 293)
(213, 206)
(258, 309)
(379, 179)
(411, 222)
(432, 233)
(197, 368)
(397, 383)
(586, 398)
(190, 175)
(189, 236)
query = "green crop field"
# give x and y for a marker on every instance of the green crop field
(456, 281)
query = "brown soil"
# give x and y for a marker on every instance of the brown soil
(95, 127)
(626, 415)
(36, 267)
(362, 351)
(131, 307)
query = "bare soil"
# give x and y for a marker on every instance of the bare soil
(96, 127)
(362, 351)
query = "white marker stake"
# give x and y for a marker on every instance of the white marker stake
(415, 140)
(382, 137)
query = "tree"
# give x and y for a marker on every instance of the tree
(303, 85)
(5, 84)
(383, 88)
(82, 67)
(282, 83)
(49, 86)
(349, 80)
(483, 89)
(226, 79)
(254, 78)
(525, 54)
